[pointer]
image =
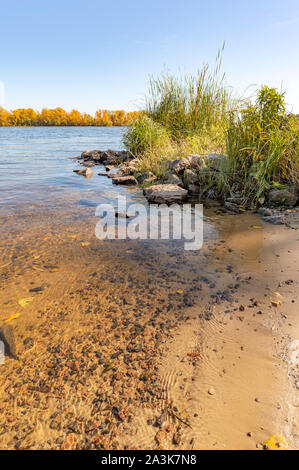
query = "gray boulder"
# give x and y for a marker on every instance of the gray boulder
(285, 197)
(165, 193)
(180, 165)
(146, 178)
(274, 219)
(230, 207)
(193, 189)
(172, 178)
(190, 177)
(95, 155)
(214, 161)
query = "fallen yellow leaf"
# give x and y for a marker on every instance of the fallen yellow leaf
(73, 236)
(25, 302)
(256, 226)
(11, 317)
(276, 442)
(180, 291)
(85, 243)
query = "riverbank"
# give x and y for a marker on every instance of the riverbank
(192, 178)
(96, 325)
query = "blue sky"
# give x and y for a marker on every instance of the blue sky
(99, 54)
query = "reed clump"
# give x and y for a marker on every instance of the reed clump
(183, 114)
(262, 144)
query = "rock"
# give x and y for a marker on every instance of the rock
(108, 157)
(172, 178)
(95, 155)
(87, 172)
(124, 180)
(265, 211)
(236, 199)
(213, 161)
(196, 161)
(117, 174)
(190, 177)
(146, 178)
(211, 391)
(8, 338)
(230, 207)
(88, 164)
(274, 219)
(131, 167)
(193, 189)
(286, 197)
(180, 165)
(165, 193)
(176, 439)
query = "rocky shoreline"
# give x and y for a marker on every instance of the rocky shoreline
(182, 181)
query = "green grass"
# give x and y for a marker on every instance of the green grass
(262, 144)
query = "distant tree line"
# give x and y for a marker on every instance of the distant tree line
(60, 117)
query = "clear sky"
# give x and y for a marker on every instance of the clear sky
(90, 54)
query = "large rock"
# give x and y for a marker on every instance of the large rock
(146, 178)
(124, 180)
(180, 165)
(131, 167)
(232, 208)
(285, 197)
(172, 178)
(193, 189)
(190, 177)
(214, 161)
(165, 193)
(95, 155)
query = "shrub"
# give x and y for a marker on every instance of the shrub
(146, 135)
(262, 144)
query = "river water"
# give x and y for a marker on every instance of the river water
(76, 302)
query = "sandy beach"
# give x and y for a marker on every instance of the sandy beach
(141, 345)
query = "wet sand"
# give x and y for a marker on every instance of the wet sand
(141, 344)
